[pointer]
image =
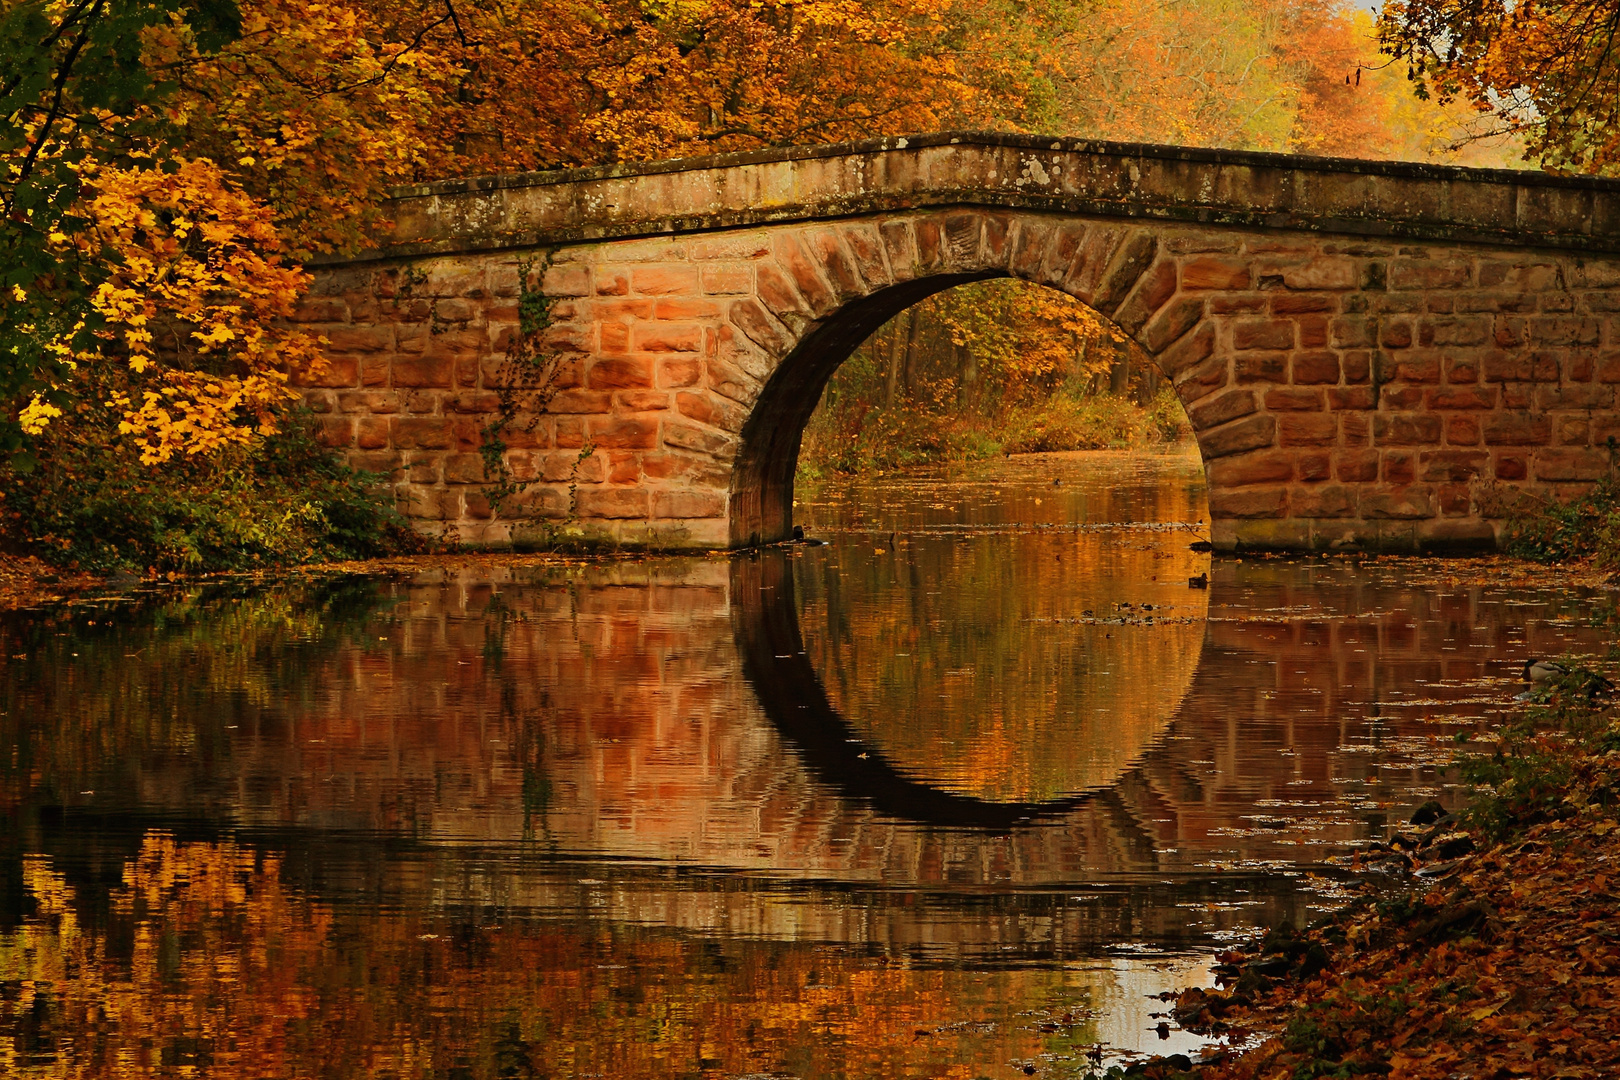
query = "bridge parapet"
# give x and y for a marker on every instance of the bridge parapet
(1016, 172)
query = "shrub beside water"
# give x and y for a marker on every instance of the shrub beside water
(1584, 527)
(1555, 759)
(88, 503)
(890, 439)
(1092, 423)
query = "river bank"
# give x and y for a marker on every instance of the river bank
(853, 438)
(1480, 946)
(28, 582)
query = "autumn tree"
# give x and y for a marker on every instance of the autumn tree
(74, 93)
(1545, 70)
(140, 275)
(537, 84)
(315, 111)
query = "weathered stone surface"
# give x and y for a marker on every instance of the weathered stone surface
(1307, 430)
(1211, 411)
(1343, 386)
(1408, 503)
(1251, 433)
(1263, 468)
(1324, 502)
(1249, 503)
(1213, 272)
(1174, 184)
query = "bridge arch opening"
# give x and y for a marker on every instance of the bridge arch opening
(771, 441)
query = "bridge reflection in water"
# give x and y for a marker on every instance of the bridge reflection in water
(690, 815)
(1012, 778)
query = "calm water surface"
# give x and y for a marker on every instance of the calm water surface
(956, 793)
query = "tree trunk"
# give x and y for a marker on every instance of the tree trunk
(910, 360)
(896, 357)
(1150, 384)
(967, 364)
(1119, 375)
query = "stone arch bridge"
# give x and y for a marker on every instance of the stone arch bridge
(1372, 354)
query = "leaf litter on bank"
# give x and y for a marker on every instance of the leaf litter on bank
(1477, 948)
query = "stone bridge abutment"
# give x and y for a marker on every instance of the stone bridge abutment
(1372, 355)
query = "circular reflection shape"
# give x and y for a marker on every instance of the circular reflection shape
(1065, 708)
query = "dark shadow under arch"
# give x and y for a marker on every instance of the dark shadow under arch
(791, 693)
(762, 480)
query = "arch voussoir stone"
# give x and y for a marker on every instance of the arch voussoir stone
(1174, 319)
(862, 241)
(1370, 355)
(1131, 260)
(757, 325)
(804, 273)
(836, 263)
(1152, 289)
(1073, 248)
(1027, 246)
(899, 248)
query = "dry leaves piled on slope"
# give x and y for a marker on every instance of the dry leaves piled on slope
(1502, 963)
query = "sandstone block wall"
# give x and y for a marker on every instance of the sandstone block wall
(1344, 390)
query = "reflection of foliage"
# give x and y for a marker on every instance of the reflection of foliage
(498, 615)
(208, 962)
(167, 676)
(958, 670)
(530, 754)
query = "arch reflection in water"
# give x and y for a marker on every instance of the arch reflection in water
(937, 748)
(566, 714)
(789, 690)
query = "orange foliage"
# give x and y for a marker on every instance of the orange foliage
(546, 83)
(290, 136)
(316, 111)
(210, 963)
(1544, 71)
(1328, 47)
(193, 308)
(227, 993)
